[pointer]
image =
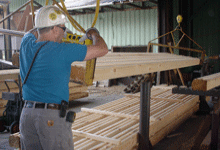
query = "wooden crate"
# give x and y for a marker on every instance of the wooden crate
(115, 125)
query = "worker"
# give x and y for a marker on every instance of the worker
(45, 122)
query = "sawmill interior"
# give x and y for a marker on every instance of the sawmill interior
(157, 88)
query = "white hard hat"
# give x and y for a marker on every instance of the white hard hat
(49, 16)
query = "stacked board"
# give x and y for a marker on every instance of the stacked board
(117, 65)
(7, 74)
(76, 91)
(115, 125)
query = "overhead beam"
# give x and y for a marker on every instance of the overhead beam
(111, 7)
(89, 9)
(38, 4)
(152, 1)
(133, 5)
(74, 12)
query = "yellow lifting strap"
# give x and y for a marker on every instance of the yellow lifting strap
(90, 64)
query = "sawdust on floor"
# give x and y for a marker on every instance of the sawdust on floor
(104, 91)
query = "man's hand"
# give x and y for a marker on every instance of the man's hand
(90, 34)
(99, 47)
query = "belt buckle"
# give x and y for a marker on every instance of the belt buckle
(52, 106)
(29, 105)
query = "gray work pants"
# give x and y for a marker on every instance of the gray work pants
(43, 129)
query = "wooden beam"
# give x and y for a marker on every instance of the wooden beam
(22, 22)
(78, 95)
(173, 125)
(166, 99)
(103, 112)
(96, 137)
(29, 23)
(122, 115)
(8, 74)
(14, 140)
(123, 64)
(206, 83)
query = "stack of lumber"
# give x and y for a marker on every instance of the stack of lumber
(7, 74)
(115, 125)
(206, 83)
(76, 91)
(117, 65)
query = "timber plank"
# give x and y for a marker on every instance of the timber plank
(96, 137)
(121, 65)
(206, 83)
(78, 95)
(110, 113)
(172, 125)
(8, 74)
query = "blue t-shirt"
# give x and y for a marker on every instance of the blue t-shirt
(49, 77)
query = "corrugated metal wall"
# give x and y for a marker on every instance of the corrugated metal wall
(15, 4)
(119, 28)
(123, 28)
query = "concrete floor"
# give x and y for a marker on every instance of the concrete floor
(180, 139)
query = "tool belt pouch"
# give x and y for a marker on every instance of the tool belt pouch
(63, 108)
(70, 117)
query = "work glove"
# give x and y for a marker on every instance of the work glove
(85, 36)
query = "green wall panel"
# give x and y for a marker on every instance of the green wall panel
(123, 28)
(118, 28)
(206, 25)
(15, 4)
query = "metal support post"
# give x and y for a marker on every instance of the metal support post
(215, 124)
(144, 141)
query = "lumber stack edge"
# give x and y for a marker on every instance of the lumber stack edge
(100, 127)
